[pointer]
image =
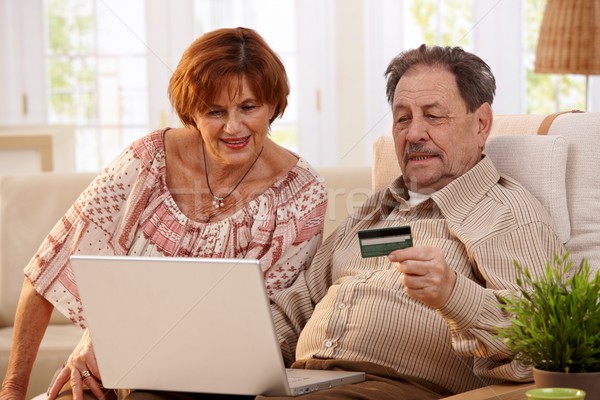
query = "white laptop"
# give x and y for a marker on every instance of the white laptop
(188, 325)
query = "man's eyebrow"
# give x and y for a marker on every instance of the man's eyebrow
(399, 107)
(435, 104)
(426, 106)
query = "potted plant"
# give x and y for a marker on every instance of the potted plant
(555, 325)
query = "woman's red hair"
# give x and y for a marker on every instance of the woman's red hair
(221, 59)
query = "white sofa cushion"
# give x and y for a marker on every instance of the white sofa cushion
(538, 162)
(582, 132)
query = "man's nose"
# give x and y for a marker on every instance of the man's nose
(417, 130)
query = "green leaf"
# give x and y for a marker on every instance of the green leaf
(555, 317)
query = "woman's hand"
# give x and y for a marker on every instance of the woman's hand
(81, 370)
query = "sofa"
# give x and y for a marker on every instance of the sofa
(29, 206)
(554, 156)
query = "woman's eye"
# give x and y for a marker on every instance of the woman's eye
(249, 107)
(214, 113)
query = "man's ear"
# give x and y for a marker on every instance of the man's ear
(485, 118)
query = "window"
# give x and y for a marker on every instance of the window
(97, 70)
(452, 23)
(96, 74)
(101, 55)
(446, 22)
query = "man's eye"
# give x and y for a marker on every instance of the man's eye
(403, 120)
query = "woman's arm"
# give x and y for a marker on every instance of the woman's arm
(32, 318)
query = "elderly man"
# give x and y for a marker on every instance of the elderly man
(421, 322)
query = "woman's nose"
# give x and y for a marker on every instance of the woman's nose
(233, 123)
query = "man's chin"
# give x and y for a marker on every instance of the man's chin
(420, 184)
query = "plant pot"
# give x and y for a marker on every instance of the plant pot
(586, 381)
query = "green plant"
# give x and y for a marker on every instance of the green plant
(555, 318)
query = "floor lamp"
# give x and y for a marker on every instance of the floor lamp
(569, 40)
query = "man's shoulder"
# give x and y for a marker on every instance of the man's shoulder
(483, 193)
(513, 195)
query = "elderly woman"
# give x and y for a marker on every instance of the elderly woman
(217, 187)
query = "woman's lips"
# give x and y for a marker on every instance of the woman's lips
(236, 143)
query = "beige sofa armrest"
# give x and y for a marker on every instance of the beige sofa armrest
(29, 206)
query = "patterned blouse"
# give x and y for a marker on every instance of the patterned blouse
(128, 210)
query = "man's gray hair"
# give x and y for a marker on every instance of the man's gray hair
(474, 78)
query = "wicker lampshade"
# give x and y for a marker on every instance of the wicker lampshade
(569, 41)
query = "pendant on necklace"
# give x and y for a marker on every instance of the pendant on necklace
(217, 202)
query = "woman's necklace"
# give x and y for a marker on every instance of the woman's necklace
(219, 201)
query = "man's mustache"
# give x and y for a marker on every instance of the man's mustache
(417, 148)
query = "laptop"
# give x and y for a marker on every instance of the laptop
(188, 325)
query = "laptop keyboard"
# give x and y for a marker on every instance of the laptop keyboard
(296, 379)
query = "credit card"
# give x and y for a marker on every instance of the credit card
(381, 242)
